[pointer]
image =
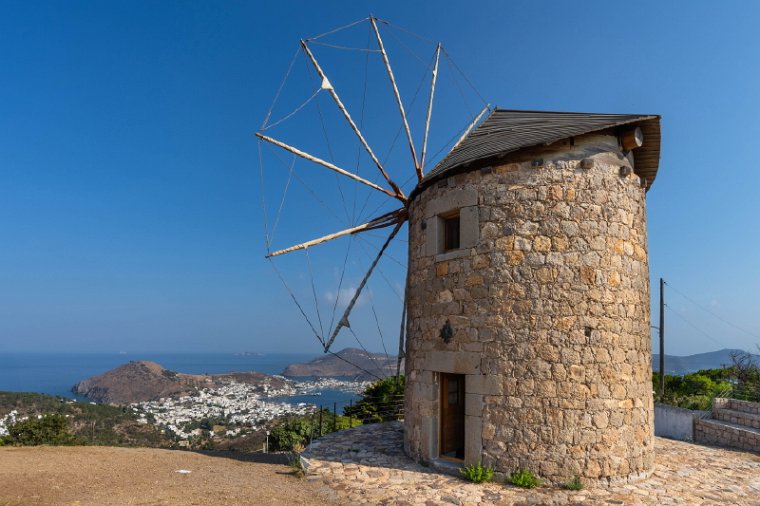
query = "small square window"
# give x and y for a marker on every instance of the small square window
(450, 232)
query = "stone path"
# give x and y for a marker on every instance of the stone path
(366, 465)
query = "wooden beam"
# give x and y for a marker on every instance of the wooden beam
(324, 163)
(344, 320)
(326, 85)
(398, 96)
(394, 217)
(430, 108)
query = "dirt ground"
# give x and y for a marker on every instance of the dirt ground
(93, 475)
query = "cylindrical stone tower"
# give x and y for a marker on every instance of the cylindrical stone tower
(528, 302)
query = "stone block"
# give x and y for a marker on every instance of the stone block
(424, 392)
(473, 439)
(469, 233)
(451, 200)
(473, 404)
(452, 362)
(484, 384)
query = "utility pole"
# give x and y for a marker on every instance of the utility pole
(662, 338)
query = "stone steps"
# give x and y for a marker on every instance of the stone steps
(752, 408)
(737, 417)
(722, 433)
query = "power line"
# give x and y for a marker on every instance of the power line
(703, 308)
(696, 327)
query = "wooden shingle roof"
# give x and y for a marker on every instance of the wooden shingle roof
(505, 131)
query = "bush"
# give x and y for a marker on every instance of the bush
(294, 461)
(48, 430)
(476, 473)
(289, 434)
(693, 390)
(297, 431)
(575, 484)
(524, 478)
(382, 401)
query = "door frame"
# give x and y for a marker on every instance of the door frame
(443, 401)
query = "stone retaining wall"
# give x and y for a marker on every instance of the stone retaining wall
(674, 422)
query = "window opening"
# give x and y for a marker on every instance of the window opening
(451, 228)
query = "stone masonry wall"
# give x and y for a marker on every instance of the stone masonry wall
(549, 302)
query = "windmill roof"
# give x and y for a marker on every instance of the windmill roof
(505, 131)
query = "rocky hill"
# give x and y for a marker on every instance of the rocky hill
(349, 362)
(139, 381)
(693, 363)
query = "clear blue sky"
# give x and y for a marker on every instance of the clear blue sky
(129, 191)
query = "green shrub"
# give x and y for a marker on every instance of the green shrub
(524, 478)
(294, 461)
(50, 429)
(575, 484)
(297, 431)
(289, 434)
(476, 473)
(382, 401)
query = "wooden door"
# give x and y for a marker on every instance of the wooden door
(452, 416)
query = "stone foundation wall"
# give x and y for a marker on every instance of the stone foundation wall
(549, 302)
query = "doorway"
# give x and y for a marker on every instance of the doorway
(452, 416)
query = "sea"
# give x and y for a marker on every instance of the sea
(57, 373)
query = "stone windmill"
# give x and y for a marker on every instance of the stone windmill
(528, 312)
(527, 297)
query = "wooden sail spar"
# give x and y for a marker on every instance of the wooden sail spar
(387, 186)
(430, 107)
(386, 220)
(344, 320)
(327, 164)
(396, 93)
(326, 85)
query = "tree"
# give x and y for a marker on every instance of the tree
(746, 372)
(381, 402)
(300, 430)
(50, 429)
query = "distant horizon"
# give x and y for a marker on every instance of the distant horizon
(317, 352)
(282, 353)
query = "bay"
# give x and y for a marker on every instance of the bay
(57, 373)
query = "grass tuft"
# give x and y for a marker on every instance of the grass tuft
(575, 484)
(476, 473)
(524, 478)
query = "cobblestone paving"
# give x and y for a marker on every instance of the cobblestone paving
(366, 465)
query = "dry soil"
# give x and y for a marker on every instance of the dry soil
(94, 475)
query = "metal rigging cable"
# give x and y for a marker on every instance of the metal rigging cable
(703, 308)
(695, 326)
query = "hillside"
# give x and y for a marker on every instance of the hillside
(139, 381)
(349, 362)
(692, 363)
(91, 423)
